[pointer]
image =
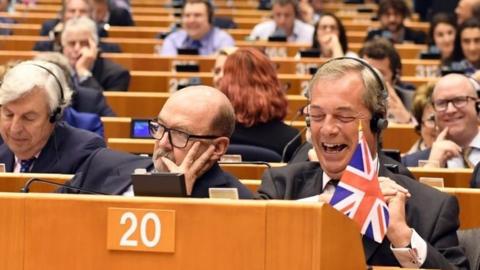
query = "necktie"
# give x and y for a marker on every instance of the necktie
(196, 44)
(466, 161)
(26, 164)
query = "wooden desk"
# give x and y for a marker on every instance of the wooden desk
(51, 231)
(459, 178)
(13, 182)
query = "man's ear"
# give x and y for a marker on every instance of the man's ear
(221, 145)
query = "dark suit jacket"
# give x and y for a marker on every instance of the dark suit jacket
(108, 75)
(417, 37)
(65, 151)
(120, 17)
(433, 214)
(412, 159)
(91, 100)
(109, 172)
(475, 182)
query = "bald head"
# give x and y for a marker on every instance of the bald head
(208, 109)
(455, 81)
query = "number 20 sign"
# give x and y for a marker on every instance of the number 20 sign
(141, 230)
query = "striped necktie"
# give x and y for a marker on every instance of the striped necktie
(466, 161)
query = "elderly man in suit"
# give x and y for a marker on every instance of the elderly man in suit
(79, 43)
(422, 230)
(35, 140)
(188, 139)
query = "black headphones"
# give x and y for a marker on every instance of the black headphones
(56, 113)
(476, 87)
(378, 121)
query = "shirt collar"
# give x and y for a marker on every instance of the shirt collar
(326, 178)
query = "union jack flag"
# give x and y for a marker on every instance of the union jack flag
(358, 193)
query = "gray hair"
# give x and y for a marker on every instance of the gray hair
(375, 96)
(27, 76)
(61, 61)
(80, 24)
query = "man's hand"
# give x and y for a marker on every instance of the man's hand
(443, 150)
(396, 107)
(191, 166)
(88, 56)
(331, 45)
(398, 231)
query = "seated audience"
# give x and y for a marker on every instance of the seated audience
(251, 84)
(35, 139)
(454, 100)
(381, 54)
(106, 14)
(197, 31)
(467, 48)
(425, 118)
(392, 14)
(422, 230)
(79, 42)
(330, 37)
(188, 139)
(53, 28)
(441, 37)
(284, 24)
(4, 31)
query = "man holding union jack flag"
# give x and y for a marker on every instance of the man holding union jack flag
(403, 223)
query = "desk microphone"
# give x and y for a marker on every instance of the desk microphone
(247, 162)
(284, 152)
(26, 188)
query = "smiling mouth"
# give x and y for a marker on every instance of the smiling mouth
(333, 148)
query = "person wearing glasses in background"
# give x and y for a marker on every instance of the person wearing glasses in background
(188, 139)
(455, 102)
(424, 114)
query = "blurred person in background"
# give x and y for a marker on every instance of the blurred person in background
(330, 37)
(251, 84)
(425, 118)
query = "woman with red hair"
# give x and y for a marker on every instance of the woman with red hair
(250, 82)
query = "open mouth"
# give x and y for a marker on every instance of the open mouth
(333, 148)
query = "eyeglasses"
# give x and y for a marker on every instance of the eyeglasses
(176, 138)
(458, 102)
(429, 122)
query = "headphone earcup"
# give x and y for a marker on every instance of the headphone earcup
(378, 123)
(56, 115)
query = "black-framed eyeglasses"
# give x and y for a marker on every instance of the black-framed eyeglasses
(457, 102)
(429, 122)
(177, 138)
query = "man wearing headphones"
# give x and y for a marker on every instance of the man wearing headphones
(382, 55)
(455, 103)
(33, 96)
(345, 93)
(284, 23)
(197, 31)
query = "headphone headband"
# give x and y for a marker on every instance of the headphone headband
(56, 114)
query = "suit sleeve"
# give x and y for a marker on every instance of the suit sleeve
(268, 188)
(443, 250)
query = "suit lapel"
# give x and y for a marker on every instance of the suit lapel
(7, 157)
